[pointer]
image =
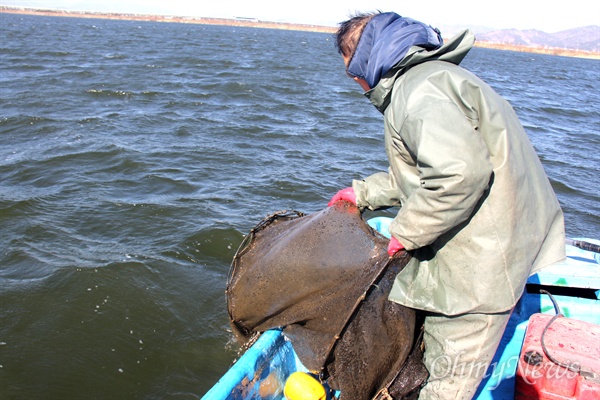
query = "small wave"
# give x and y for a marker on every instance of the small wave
(121, 93)
(48, 53)
(218, 243)
(28, 67)
(562, 187)
(24, 119)
(562, 77)
(110, 93)
(569, 112)
(115, 56)
(30, 123)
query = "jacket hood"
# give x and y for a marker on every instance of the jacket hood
(454, 51)
(385, 41)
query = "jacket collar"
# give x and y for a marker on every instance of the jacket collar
(453, 51)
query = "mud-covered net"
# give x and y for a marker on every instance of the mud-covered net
(324, 279)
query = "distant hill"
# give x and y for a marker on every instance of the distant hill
(585, 38)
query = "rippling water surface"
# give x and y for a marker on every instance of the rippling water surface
(134, 157)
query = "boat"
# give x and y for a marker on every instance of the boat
(571, 288)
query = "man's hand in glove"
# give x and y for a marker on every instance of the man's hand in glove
(394, 246)
(344, 194)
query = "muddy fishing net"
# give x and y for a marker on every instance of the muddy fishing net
(324, 280)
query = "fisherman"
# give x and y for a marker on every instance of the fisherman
(477, 212)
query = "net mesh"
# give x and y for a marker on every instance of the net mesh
(324, 279)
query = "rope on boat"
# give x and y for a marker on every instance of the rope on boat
(571, 367)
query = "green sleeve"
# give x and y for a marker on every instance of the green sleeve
(376, 191)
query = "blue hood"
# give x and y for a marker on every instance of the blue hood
(385, 41)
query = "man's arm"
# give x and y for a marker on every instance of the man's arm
(376, 191)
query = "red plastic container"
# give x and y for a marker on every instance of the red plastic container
(568, 341)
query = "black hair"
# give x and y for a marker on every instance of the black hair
(349, 31)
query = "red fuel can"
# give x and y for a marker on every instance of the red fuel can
(568, 369)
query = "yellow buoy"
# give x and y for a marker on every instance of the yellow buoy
(302, 386)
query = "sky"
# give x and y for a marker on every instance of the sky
(546, 15)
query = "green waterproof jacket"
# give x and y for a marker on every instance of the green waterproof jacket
(476, 208)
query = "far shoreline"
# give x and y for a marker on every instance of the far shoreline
(253, 23)
(245, 22)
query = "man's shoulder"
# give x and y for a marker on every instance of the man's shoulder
(434, 67)
(434, 76)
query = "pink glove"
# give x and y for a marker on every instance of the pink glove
(344, 194)
(394, 246)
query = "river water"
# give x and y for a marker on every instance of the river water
(135, 156)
